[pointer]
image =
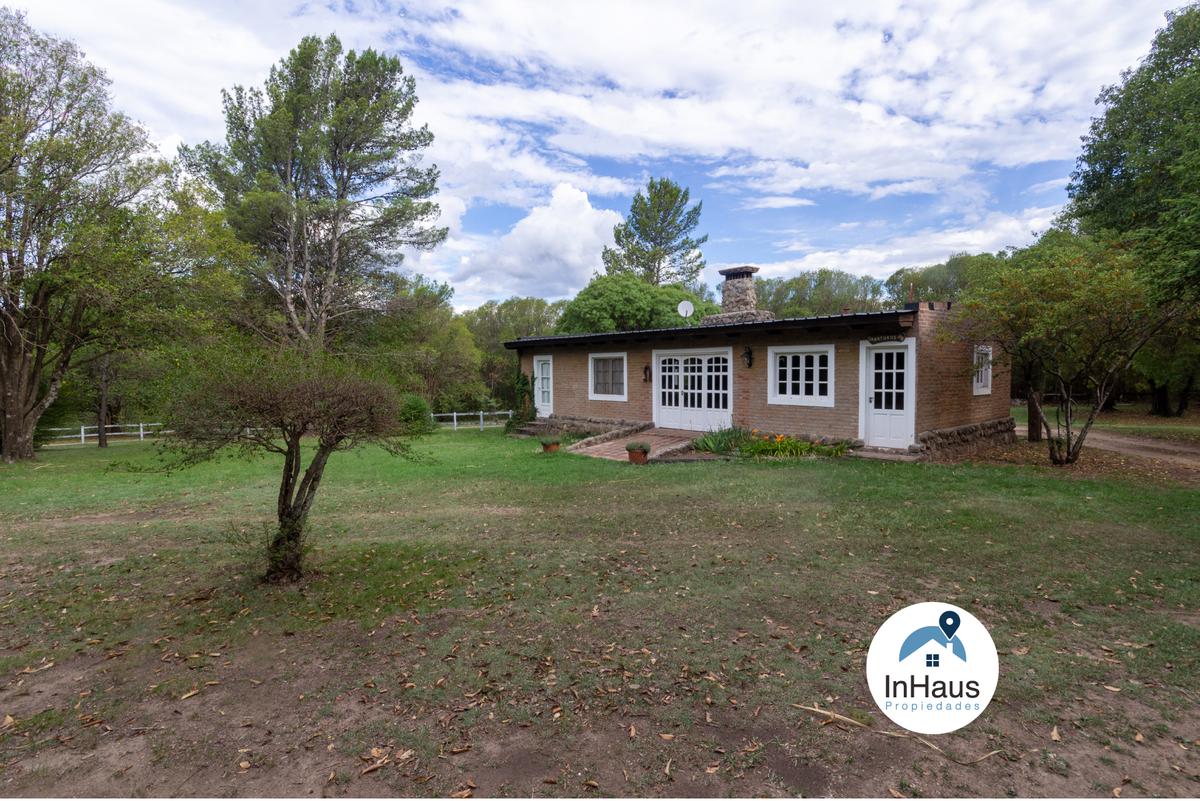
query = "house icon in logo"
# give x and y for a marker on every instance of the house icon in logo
(940, 635)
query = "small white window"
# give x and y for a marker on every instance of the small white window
(801, 375)
(982, 381)
(607, 376)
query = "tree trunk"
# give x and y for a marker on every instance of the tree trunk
(1182, 406)
(285, 554)
(102, 406)
(1160, 399)
(16, 432)
(1034, 406)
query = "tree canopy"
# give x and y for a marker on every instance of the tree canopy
(655, 242)
(1075, 307)
(74, 227)
(817, 292)
(320, 171)
(626, 303)
(1138, 176)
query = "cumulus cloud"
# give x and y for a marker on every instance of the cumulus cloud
(552, 252)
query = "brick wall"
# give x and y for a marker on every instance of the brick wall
(749, 385)
(944, 386)
(945, 398)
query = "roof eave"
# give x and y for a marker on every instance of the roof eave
(902, 318)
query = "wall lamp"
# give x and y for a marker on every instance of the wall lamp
(748, 356)
(646, 374)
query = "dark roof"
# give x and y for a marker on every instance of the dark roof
(901, 318)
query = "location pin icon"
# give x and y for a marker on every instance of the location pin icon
(949, 623)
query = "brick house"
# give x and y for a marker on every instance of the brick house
(884, 378)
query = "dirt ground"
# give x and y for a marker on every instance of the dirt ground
(307, 715)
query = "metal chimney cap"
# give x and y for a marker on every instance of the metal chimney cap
(738, 272)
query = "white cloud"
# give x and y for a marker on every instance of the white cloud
(777, 202)
(551, 253)
(1053, 185)
(994, 233)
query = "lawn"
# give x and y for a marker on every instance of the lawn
(1135, 419)
(488, 619)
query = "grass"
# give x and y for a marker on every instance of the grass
(1135, 419)
(672, 596)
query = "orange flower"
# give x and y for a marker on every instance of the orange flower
(779, 437)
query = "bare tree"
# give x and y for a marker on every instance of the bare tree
(270, 402)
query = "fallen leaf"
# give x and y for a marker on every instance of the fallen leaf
(1116, 792)
(1055, 736)
(895, 793)
(463, 793)
(1138, 738)
(667, 737)
(667, 769)
(189, 694)
(244, 765)
(632, 731)
(592, 784)
(1024, 649)
(1112, 689)
(713, 768)
(9, 720)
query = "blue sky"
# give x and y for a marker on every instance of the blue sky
(862, 136)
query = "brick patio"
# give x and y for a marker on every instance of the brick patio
(659, 440)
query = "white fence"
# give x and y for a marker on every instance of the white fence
(82, 435)
(457, 420)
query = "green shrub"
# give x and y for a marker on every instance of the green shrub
(523, 409)
(416, 415)
(550, 440)
(781, 445)
(638, 446)
(725, 440)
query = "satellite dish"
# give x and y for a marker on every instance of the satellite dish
(685, 308)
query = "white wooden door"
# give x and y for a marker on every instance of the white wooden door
(889, 398)
(693, 390)
(543, 385)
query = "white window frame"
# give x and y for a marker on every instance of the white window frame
(773, 396)
(592, 394)
(981, 374)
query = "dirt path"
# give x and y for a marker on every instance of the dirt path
(1185, 453)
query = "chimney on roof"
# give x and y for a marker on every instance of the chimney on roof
(739, 300)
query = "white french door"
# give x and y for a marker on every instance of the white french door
(692, 389)
(889, 396)
(543, 385)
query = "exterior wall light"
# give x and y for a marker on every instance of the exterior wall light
(748, 356)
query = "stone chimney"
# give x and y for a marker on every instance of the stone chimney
(739, 301)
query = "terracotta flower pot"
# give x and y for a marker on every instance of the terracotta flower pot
(638, 457)
(549, 447)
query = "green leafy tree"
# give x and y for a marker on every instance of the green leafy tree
(321, 172)
(945, 281)
(1170, 365)
(819, 292)
(495, 323)
(655, 242)
(626, 303)
(1077, 310)
(72, 174)
(1138, 177)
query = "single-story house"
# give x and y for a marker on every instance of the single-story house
(885, 378)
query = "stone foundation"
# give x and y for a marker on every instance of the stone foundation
(964, 440)
(615, 430)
